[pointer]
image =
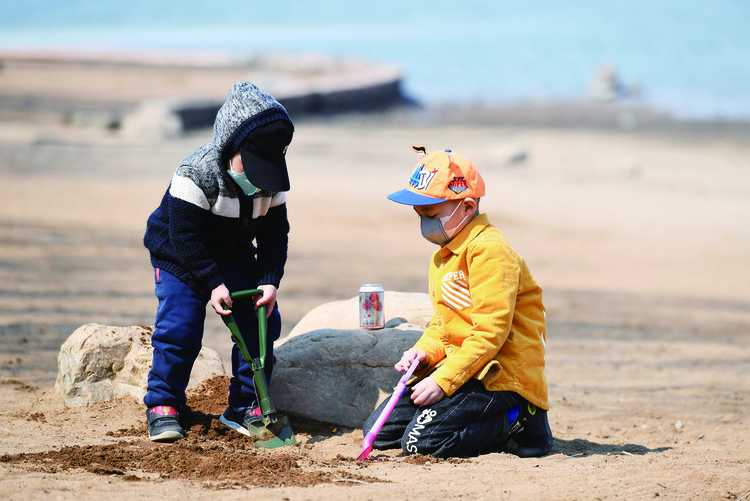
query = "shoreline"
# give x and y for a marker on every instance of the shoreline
(106, 89)
(616, 117)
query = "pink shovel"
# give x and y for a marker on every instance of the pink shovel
(400, 388)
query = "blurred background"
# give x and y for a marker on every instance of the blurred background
(690, 59)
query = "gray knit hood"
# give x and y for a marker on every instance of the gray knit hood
(246, 108)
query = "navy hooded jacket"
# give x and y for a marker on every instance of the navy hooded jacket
(205, 219)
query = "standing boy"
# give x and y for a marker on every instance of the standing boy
(481, 377)
(224, 196)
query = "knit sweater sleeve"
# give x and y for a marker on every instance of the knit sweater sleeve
(272, 238)
(186, 233)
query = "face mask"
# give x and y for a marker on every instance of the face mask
(433, 229)
(242, 181)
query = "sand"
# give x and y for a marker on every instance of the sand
(639, 239)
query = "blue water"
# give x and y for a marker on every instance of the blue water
(690, 58)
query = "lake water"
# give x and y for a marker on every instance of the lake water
(691, 58)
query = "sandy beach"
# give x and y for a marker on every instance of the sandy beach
(638, 236)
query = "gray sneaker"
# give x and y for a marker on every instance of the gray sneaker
(239, 418)
(164, 424)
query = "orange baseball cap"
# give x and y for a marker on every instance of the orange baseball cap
(438, 177)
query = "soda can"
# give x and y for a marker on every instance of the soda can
(371, 306)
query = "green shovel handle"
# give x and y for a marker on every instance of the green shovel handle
(256, 364)
(262, 328)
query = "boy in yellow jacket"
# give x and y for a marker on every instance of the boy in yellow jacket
(480, 380)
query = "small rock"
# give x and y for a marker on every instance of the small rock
(100, 362)
(152, 119)
(395, 322)
(509, 156)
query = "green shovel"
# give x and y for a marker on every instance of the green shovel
(275, 431)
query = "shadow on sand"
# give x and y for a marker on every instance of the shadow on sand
(580, 447)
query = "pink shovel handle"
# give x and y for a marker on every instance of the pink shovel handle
(400, 388)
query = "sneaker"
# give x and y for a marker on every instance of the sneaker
(531, 432)
(240, 418)
(164, 424)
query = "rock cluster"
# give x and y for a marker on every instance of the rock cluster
(327, 369)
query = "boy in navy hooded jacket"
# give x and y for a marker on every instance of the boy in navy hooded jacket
(221, 227)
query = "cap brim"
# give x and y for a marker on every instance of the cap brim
(407, 197)
(265, 174)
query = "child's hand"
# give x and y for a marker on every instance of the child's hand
(427, 392)
(219, 296)
(268, 298)
(408, 357)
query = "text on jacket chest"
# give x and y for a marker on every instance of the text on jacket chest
(454, 275)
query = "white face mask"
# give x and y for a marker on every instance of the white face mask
(242, 181)
(433, 229)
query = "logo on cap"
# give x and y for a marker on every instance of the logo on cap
(458, 184)
(421, 178)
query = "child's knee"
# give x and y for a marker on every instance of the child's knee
(415, 439)
(411, 445)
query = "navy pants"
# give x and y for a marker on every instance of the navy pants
(471, 421)
(178, 337)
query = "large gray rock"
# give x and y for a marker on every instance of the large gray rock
(338, 375)
(413, 307)
(99, 362)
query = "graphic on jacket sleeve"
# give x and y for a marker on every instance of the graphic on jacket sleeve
(455, 290)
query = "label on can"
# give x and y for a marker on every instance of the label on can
(371, 306)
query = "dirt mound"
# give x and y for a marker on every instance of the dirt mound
(212, 454)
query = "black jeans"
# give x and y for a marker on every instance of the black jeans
(471, 421)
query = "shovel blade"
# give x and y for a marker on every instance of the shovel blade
(274, 435)
(367, 445)
(365, 452)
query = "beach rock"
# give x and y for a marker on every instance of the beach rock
(99, 362)
(97, 119)
(415, 308)
(606, 85)
(153, 119)
(338, 375)
(509, 156)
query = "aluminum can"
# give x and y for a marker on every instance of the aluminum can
(371, 306)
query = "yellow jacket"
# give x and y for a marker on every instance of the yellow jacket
(489, 320)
